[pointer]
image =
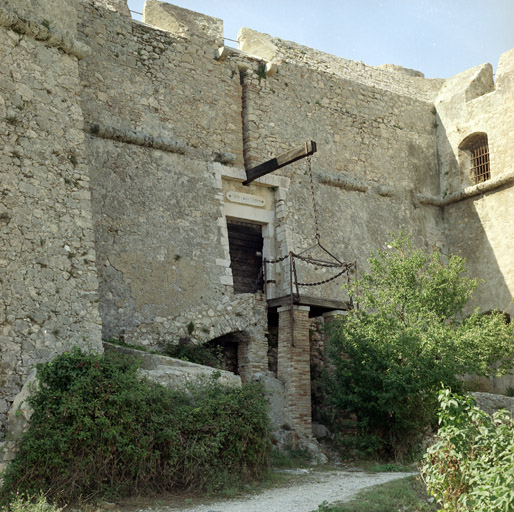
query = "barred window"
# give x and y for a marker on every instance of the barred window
(476, 147)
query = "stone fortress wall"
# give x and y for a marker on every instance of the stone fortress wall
(48, 278)
(376, 149)
(478, 218)
(121, 142)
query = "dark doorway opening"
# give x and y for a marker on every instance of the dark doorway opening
(245, 243)
(226, 350)
(272, 340)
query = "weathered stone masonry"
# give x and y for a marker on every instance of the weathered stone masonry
(123, 148)
(48, 275)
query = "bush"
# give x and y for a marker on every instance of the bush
(186, 350)
(390, 356)
(24, 504)
(100, 430)
(471, 466)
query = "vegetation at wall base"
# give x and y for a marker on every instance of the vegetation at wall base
(99, 430)
(24, 504)
(187, 350)
(122, 343)
(470, 468)
(390, 356)
(290, 457)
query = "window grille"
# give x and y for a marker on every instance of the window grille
(479, 152)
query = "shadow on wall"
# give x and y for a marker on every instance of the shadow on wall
(475, 232)
(475, 228)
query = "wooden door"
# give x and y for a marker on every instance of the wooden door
(245, 241)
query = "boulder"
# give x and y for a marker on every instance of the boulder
(491, 403)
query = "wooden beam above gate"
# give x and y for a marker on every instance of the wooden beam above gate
(307, 149)
(313, 302)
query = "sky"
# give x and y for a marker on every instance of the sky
(437, 37)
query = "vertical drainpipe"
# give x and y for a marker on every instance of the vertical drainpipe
(249, 138)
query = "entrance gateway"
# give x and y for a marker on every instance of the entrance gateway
(253, 271)
(246, 245)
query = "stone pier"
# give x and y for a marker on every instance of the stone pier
(294, 366)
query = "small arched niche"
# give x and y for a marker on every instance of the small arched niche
(227, 348)
(474, 159)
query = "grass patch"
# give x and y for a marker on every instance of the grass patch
(268, 480)
(406, 495)
(377, 466)
(389, 467)
(196, 498)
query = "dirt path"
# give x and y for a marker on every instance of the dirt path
(302, 496)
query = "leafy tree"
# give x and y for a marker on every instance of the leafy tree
(390, 355)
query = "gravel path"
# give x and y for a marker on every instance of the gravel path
(302, 496)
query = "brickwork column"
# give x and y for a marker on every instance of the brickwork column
(294, 366)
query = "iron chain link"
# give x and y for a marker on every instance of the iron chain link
(314, 208)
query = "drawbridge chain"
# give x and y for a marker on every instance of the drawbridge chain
(334, 262)
(314, 209)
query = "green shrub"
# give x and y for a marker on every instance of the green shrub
(471, 466)
(390, 356)
(186, 350)
(24, 504)
(100, 430)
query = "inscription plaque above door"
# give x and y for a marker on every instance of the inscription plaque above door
(248, 199)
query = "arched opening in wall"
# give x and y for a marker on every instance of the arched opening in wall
(245, 247)
(226, 350)
(474, 159)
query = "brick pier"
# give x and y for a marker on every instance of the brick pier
(294, 367)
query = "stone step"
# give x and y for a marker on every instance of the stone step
(178, 377)
(174, 373)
